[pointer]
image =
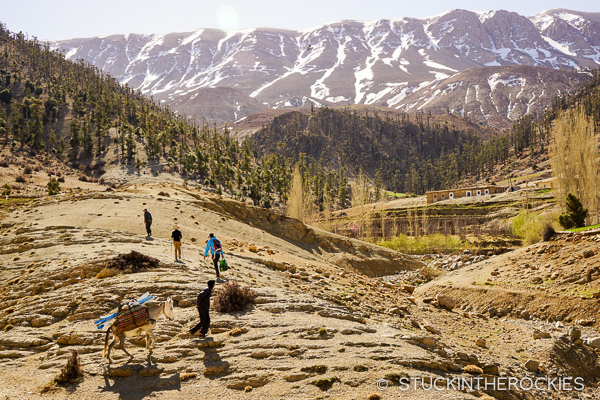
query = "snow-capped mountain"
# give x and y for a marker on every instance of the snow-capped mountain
(407, 63)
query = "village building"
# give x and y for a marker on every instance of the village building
(449, 194)
(550, 183)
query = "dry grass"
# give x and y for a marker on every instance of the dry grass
(424, 244)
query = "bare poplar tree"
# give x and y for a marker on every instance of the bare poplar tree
(574, 159)
(296, 199)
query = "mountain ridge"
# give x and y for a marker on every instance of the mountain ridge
(346, 62)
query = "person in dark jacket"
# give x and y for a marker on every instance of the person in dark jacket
(176, 236)
(216, 250)
(148, 221)
(203, 304)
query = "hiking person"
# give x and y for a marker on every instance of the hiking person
(203, 304)
(216, 250)
(148, 221)
(176, 236)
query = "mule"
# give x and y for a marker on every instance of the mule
(165, 308)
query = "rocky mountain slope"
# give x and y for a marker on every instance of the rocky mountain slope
(385, 62)
(324, 324)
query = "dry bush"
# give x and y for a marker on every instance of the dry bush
(4, 164)
(72, 370)
(27, 171)
(37, 168)
(430, 273)
(101, 181)
(83, 178)
(20, 179)
(133, 261)
(164, 194)
(374, 396)
(233, 297)
(548, 231)
(315, 369)
(61, 179)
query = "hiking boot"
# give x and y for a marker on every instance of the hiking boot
(201, 335)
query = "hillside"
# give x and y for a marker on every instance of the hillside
(321, 311)
(389, 62)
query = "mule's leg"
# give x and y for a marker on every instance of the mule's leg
(110, 346)
(122, 345)
(150, 334)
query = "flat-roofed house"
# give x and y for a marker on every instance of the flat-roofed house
(449, 194)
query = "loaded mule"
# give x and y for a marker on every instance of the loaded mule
(154, 312)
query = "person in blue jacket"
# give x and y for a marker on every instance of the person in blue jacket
(216, 250)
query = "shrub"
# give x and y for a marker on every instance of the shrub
(61, 179)
(20, 179)
(37, 168)
(161, 193)
(548, 231)
(315, 369)
(527, 226)
(7, 190)
(72, 370)
(233, 297)
(133, 261)
(53, 187)
(325, 383)
(360, 368)
(4, 164)
(27, 171)
(575, 215)
(83, 178)
(374, 396)
(430, 273)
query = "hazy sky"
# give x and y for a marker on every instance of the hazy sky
(65, 19)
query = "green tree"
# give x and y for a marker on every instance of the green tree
(53, 187)
(7, 190)
(575, 215)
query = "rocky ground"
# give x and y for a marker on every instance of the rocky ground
(325, 324)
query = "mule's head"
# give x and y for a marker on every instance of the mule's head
(169, 309)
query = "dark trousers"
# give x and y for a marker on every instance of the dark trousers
(216, 257)
(148, 225)
(203, 324)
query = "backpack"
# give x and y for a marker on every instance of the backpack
(216, 244)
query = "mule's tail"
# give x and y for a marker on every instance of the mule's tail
(106, 341)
